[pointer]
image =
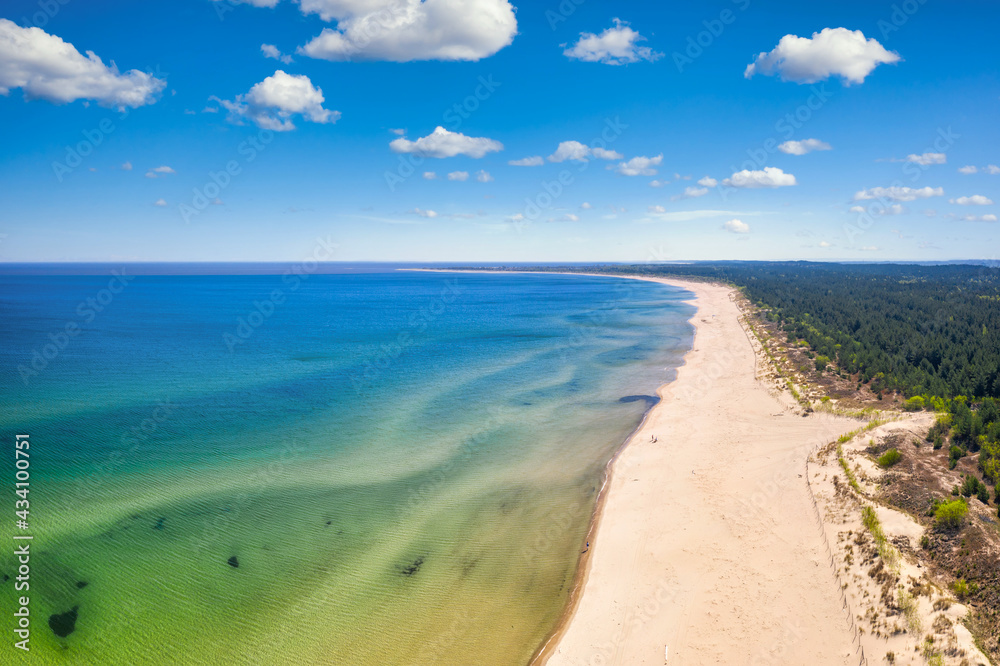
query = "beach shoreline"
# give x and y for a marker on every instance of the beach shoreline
(703, 548)
(635, 605)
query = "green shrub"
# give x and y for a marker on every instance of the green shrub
(821, 363)
(983, 494)
(961, 588)
(914, 404)
(889, 458)
(938, 442)
(950, 515)
(970, 486)
(940, 428)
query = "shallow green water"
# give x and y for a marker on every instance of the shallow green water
(388, 499)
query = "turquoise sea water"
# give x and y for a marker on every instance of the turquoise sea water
(402, 466)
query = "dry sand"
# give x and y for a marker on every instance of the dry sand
(934, 611)
(707, 544)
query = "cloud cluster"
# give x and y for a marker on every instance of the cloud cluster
(991, 169)
(830, 52)
(878, 209)
(638, 166)
(927, 159)
(536, 160)
(405, 30)
(769, 177)
(272, 103)
(615, 46)
(271, 51)
(578, 152)
(691, 193)
(155, 172)
(803, 147)
(737, 227)
(974, 200)
(898, 193)
(442, 143)
(46, 67)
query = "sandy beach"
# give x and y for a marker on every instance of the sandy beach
(706, 549)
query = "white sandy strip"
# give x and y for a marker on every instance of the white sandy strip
(707, 542)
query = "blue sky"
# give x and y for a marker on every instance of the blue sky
(890, 103)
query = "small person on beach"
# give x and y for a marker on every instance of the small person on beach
(585, 549)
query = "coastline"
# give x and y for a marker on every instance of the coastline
(703, 545)
(635, 602)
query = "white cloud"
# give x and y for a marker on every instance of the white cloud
(638, 166)
(574, 150)
(160, 202)
(430, 175)
(825, 244)
(830, 52)
(658, 183)
(737, 227)
(441, 143)
(271, 51)
(993, 169)
(803, 147)
(615, 46)
(46, 67)
(604, 154)
(458, 175)
(974, 200)
(691, 193)
(879, 209)
(127, 166)
(272, 102)
(656, 209)
(570, 150)
(217, 202)
(968, 170)
(869, 248)
(569, 217)
(769, 177)
(424, 213)
(897, 193)
(980, 218)
(585, 206)
(528, 161)
(708, 181)
(927, 159)
(483, 176)
(153, 173)
(405, 30)
(398, 132)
